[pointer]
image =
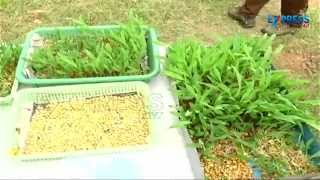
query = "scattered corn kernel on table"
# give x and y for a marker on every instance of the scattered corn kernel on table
(168, 159)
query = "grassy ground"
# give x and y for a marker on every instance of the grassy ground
(174, 19)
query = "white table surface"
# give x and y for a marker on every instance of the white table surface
(170, 159)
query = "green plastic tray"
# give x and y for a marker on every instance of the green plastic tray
(25, 99)
(152, 53)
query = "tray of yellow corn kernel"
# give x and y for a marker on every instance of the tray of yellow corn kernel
(65, 121)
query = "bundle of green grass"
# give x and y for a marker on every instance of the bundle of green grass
(229, 91)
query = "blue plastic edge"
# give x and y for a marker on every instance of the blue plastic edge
(306, 136)
(257, 174)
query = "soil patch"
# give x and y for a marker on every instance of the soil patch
(305, 64)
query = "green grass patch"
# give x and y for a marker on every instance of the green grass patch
(93, 54)
(4, 4)
(9, 55)
(229, 91)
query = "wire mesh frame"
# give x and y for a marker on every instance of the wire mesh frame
(79, 92)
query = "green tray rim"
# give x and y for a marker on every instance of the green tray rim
(153, 59)
(7, 100)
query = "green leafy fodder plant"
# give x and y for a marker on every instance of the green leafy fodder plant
(93, 54)
(229, 90)
(9, 55)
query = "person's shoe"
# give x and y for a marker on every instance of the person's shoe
(245, 21)
(281, 30)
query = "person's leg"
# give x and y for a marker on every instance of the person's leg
(291, 8)
(252, 7)
(294, 7)
(247, 13)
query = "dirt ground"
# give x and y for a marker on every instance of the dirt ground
(305, 63)
(296, 58)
